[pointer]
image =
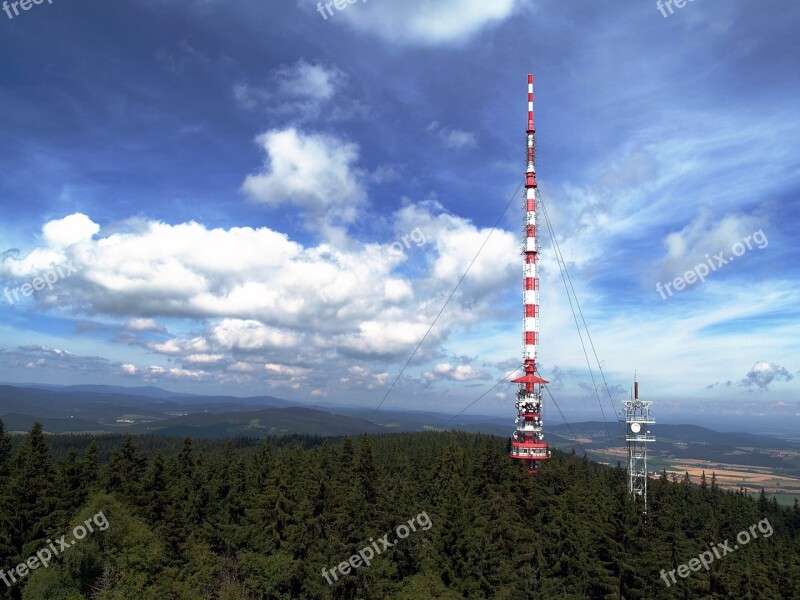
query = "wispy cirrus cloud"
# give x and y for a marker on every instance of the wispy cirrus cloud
(419, 22)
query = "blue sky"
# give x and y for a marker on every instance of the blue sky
(258, 200)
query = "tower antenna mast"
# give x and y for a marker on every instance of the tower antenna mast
(637, 435)
(527, 442)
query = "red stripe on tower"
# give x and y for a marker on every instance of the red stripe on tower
(527, 442)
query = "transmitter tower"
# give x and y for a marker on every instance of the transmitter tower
(638, 419)
(527, 441)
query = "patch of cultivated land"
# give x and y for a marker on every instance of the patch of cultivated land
(733, 476)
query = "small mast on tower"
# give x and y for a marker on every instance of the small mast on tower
(527, 442)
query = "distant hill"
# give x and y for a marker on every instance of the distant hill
(269, 422)
(593, 435)
(141, 391)
(62, 409)
(695, 435)
(72, 409)
(108, 406)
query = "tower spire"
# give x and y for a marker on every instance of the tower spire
(527, 442)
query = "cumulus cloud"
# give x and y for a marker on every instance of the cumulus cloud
(68, 231)
(204, 359)
(316, 173)
(263, 299)
(763, 374)
(428, 23)
(456, 241)
(62, 253)
(178, 346)
(248, 335)
(33, 357)
(41, 358)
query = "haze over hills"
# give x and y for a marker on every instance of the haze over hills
(67, 410)
(72, 409)
(148, 391)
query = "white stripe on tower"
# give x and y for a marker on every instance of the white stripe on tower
(531, 270)
(530, 97)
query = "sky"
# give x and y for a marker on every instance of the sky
(277, 198)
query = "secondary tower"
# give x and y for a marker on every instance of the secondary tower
(527, 442)
(637, 434)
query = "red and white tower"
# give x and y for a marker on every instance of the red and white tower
(528, 443)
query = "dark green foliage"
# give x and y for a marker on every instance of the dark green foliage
(259, 519)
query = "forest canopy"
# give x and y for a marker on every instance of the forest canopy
(261, 519)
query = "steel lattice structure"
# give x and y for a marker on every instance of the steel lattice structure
(637, 418)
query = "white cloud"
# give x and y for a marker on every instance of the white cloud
(454, 373)
(366, 378)
(43, 357)
(285, 370)
(705, 237)
(204, 359)
(185, 374)
(763, 374)
(155, 373)
(246, 335)
(129, 369)
(68, 231)
(425, 22)
(385, 174)
(36, 356)
(301, 92)
(143, 325)
(455, 139)
(456, 241)
(177, 346)
(263, 299)
(314, 172)
(307, 80)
